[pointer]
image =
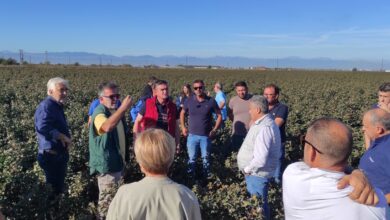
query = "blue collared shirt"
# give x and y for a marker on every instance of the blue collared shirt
(375, 163)
(50, 121)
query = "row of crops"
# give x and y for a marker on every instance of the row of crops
(23, 195)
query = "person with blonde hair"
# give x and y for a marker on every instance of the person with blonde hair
(155, 196)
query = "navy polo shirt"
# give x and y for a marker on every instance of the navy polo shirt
(375, 163)
(200, 114)
(280, 111)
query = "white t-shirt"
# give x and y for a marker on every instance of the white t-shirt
(311, 193)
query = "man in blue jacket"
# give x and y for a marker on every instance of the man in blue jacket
(53, 134)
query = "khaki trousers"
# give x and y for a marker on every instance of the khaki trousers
(106, 183)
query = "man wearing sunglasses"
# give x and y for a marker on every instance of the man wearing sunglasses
(95, 103)
(199, 108)
(310, 187)
(107, 142)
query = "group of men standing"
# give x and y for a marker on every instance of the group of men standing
(258, 132)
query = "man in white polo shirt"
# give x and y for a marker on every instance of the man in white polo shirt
(310, 187)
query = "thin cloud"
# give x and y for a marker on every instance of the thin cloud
(350, 36)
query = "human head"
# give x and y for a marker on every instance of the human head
(186, 90)
(258, 106)
(152, 80)
(241, 89)
(161, 90)
(271, 92)
(109, 94)
(217, 87)
(154, 151)
(198, 86)
(376, 123)
(384, 94)
(58, 89)
(328, 144)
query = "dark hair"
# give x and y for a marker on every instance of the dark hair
(275, 87)
(241, 83)
(106, 85)
(188, 86)
(385, 87)
(152, 79)
(160, 82)
(198, 81)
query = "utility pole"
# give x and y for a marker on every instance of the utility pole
(21, 56)
(382, 65)
(46, 60)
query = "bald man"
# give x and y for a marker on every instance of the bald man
(310, 187)
(375, 161)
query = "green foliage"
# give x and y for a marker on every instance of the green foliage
(23, 194)
(8, 61)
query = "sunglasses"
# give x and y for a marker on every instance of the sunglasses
(200, 87)
(113, 96)
(303, 141)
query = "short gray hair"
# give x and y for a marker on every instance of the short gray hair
(107, 85)
(381, 117)
(260, 102)
(51, 84)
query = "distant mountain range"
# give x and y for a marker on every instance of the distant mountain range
(86, 58)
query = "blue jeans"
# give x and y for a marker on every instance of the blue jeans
(258, 186)
(55, 167)
(204, 143)
(279, 171)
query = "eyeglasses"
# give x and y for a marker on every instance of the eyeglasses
(200, 87)
(113, 96)
(304, 141)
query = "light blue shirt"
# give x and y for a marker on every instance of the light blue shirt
(220, 97)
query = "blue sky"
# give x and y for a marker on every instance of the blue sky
(251, 28)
